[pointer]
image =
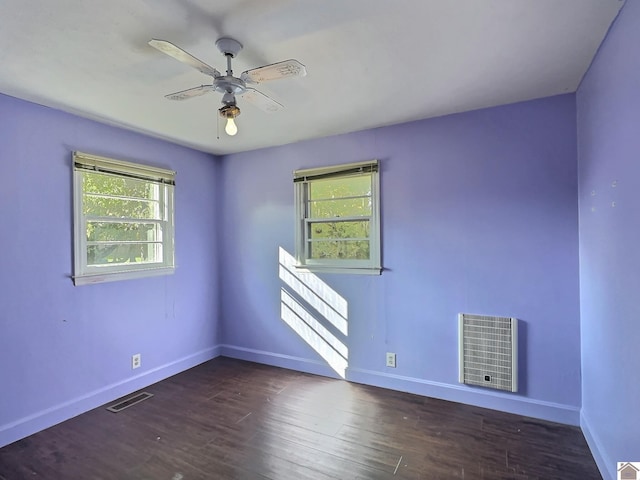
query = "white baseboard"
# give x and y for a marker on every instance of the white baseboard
(38, 421)
(480, 397)
(606, 466)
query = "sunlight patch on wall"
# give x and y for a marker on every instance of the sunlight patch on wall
(303, 324)
(299, 310)
(325, 300)
(314, 311)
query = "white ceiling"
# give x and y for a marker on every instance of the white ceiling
(370, 62)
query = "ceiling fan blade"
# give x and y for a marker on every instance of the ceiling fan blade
(275, 71)
(170, 49)
(261, 101)
(191, 92)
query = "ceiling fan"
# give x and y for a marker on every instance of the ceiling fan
(228, 84)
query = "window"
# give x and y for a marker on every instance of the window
(123, 220)
(338, 219)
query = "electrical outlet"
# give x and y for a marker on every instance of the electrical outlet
(136, 360)
(391, 360)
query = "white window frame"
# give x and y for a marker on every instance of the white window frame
(165, 180)
(302, 179)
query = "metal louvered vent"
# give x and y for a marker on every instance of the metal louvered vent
(128, 402)
(489, 351)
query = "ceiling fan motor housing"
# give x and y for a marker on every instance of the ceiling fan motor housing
(229, 84)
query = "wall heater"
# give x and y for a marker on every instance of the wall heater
(488, 351)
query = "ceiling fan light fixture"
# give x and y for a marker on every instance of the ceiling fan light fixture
(231, 128)
(230, 112)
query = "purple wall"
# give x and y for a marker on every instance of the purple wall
(66, 349)
(480, 215)
(608, 106)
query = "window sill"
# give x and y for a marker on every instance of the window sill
(91, 278)
(342, 270)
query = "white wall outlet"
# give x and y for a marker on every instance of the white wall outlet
(391, 360)
(136, 360)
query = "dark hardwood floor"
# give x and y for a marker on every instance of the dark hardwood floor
(229, 419)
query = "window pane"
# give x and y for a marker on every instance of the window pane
(334, 230)
(344, 207)
(351, 186)
(123, 232)
(113, 254)
(342, 249)
(119, 208)
(110, 196)
(113, 185)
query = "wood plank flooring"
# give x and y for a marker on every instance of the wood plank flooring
(230, 419)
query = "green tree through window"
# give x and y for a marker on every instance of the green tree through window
(339, 211)
(118, 230)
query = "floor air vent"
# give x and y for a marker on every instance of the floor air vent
(489, 351)
(128, 402)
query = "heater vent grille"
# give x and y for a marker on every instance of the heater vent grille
(128, 402)
(489, 351)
